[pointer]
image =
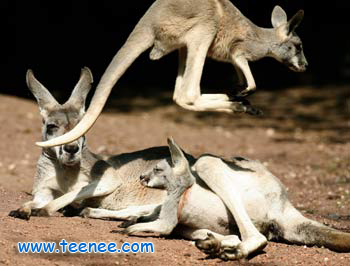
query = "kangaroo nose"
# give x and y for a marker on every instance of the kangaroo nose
(71, 148)
(144, 177)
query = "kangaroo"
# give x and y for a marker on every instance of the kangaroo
(199, 29)
(210, 212)
(71, 173)
(256, 199)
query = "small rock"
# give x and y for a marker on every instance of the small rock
(11, 167)
(332, 196)
(24, 162)
(228, 134)
(334, 216)
(101, 149)
(270, 132)
(30, 116)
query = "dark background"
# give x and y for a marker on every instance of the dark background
(57, 38)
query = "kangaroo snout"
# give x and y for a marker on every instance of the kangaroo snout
(71, 148)
(144, 178)
(300, 68)
(304, 67)
(297, 66)
(70, 153)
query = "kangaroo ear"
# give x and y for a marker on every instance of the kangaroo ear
(177, 155)
(180, 163)
(294, 22)
(44, 98)
(81, 90)
(279, 17)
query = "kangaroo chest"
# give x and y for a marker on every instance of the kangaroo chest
(69, 180)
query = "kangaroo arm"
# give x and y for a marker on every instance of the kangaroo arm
(104, 182)
(241, 63)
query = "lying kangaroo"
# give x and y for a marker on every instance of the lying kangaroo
(71, 173)
(110, 187)
(256, 199)
(199, 28)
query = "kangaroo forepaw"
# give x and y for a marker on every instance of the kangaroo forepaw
(157, 227)
(245, 92)
(128, 223)
(135, 228)
(21, 213)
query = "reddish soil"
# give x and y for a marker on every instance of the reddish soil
(303, 138)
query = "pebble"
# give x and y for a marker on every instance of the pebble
(270, 132)
(101, 149)
(11, 167)
(30, 116)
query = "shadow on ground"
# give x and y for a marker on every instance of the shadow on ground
(324, 109)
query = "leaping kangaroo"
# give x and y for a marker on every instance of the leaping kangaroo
(198, 29)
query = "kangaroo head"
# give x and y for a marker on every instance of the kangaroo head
(288, 47)
(169, 175)
(159, 176)
(60, 118)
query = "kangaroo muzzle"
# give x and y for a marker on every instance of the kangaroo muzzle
(70, 154)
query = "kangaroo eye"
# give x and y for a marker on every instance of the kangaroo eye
(157, 170)
(51, 128)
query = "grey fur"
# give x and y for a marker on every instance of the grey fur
(226, 195)
(175, 184)
(279, 220)
(199, 29)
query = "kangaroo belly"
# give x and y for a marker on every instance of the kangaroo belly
(205, 210)
(125, 197)
(259, 191)
(131, 192)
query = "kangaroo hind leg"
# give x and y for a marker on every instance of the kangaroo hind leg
(217, 175)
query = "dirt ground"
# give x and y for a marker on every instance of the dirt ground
(303, 138)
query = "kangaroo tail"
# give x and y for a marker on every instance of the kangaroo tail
(139, 40)
(321, 235)
(301, 230)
